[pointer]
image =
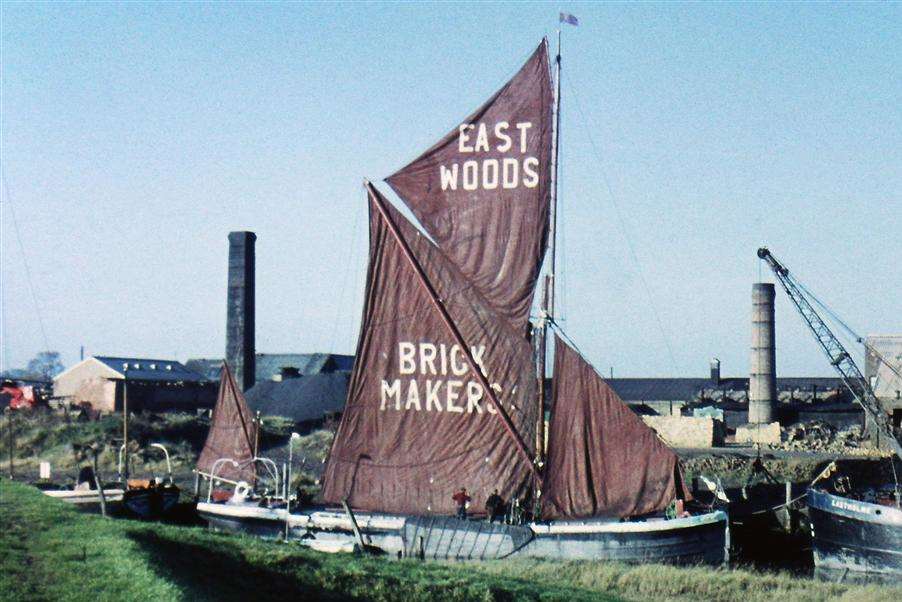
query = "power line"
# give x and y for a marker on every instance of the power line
(34, 297)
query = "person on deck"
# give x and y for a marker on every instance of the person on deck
(494, 507)
(461, 498)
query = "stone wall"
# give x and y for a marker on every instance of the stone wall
(759, 433)
(687, 431)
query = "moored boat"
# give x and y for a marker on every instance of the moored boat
(150, 498)
(702, 539)
(852, 535)
(84, 497)
(447, 395)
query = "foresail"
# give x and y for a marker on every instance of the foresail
(418, 424)
(603, 460)
(232, 433)
(482, 192)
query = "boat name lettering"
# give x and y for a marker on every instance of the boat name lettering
(849, 506)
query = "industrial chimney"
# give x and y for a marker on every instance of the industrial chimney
(715, 371)
(240, 310)
(763, 373)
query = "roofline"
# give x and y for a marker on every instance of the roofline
(86, 360)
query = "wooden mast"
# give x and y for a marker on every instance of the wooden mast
(547, 308)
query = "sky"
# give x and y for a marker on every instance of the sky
(136, 136)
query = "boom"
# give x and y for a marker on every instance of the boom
(837, 354)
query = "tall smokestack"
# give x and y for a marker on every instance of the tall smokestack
(240, 311)
(763, 374)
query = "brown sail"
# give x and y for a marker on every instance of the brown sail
(602, 459)
(482, 192)
(232, 433)
(418, 424)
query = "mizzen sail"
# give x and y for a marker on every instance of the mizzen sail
(232, 433)
(482, 192)
(602, 459)
(418, 424)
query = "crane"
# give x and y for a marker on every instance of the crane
(837, 354)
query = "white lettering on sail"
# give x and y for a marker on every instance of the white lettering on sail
(452, 396)
(432, 395)
(501, 134)
(510, 173)
(407, 363)
(478, 353)
(490, 173)
(459, 369)
(532, 177)
(474, 394)
(449, 176)
(471, 179)
(482, 140)
(391, 390)
(462, 138)
(523, 127)
(440, 395)
(427, 358)
(413, 396)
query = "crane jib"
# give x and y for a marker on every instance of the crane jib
(839, 357)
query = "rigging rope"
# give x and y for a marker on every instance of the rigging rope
(623, 228)
(849, 330)
(34, 297)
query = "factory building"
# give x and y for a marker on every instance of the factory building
(885, 380)
(272, 366)
(102, 383)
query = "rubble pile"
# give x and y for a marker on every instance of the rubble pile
(816, 435)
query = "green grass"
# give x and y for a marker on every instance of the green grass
(50, 551)
(53, 552)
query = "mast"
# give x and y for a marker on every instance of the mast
(125, 425)
(547, 309)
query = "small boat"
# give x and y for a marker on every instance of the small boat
(854, 536)
(150, 498)
(84, 497)
(84, 492)
(447, 389)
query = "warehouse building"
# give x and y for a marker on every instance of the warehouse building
(102, 383)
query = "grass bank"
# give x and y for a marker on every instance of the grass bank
(53, 552)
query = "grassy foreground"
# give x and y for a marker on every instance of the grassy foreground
(50, 551)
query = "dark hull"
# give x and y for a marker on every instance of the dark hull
(852, 536)
(151, 503)
(696, 540)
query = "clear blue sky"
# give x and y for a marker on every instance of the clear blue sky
(136, 136)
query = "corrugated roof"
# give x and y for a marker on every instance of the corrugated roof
(684, 389)
(301, 399)
(268, 365)
(149, 369)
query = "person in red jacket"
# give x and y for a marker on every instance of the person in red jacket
(461, 498)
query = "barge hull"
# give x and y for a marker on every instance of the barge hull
(849, 535)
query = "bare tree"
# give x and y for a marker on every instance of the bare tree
(46, 364)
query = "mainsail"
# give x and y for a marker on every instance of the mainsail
(232, 433)
(602, 459)
(418, 424)
(482, 192)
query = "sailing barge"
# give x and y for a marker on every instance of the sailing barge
(447, 389)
